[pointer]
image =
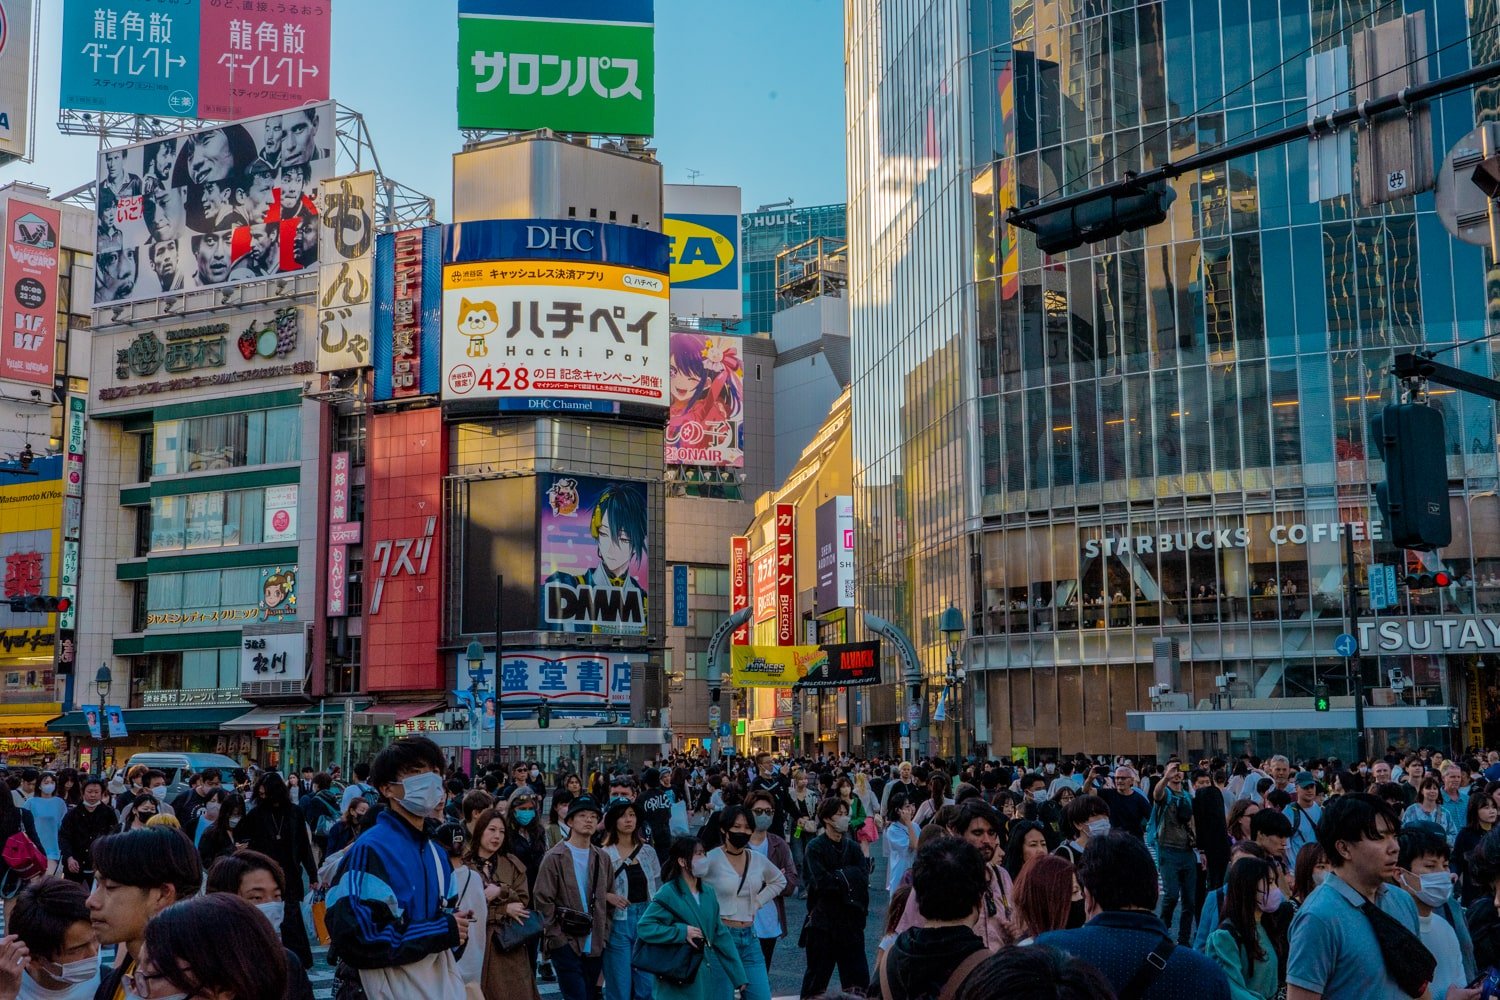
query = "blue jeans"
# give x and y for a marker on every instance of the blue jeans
(754, 961)
(621, 982)
(1179, 879)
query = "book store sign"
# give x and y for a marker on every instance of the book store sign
(1231, 538)
(1460, 634)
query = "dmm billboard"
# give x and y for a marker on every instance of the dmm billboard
(211, 60)
(593, 553)
(402, 559)
(212, 208)
(542, 312)
(527, 64)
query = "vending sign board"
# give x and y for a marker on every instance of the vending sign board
(585, 66)
(212, 60)
(212, 208)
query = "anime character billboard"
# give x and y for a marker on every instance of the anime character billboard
(594, 567)
(706, 426)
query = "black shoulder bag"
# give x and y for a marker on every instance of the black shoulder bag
(1153, 966)
(1407, 959)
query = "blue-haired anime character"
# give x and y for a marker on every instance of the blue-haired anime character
(606, 597)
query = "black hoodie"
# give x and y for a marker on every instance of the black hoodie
(922, 958)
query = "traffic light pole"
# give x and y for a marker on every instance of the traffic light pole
(500, 655)
(1422, 366)
(1351, 623)
(1134, 183)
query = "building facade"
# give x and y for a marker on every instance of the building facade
(1173, 426)
(766, 234)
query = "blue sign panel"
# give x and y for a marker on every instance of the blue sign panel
(523, 405)
(1345, 645)
(705, 250)
(131, 56)
(634, 11)
(556, 240)
(1380, 597)
(679, 596)
(724, 729)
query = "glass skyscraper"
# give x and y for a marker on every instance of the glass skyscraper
(766, 234)
(1166, 435)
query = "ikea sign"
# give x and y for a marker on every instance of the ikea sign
(705, 251)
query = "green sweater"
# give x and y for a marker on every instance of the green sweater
(1262, 982)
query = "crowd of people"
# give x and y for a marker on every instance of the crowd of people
(1074, 878)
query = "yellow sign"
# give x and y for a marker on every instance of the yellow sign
(773, 666)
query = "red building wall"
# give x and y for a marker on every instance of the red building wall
(407, 460)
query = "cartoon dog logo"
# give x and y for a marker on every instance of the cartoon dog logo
(477, 320)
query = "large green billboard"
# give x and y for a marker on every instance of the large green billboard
(569, 65)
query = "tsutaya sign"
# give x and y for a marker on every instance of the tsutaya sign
(1462, 634)
(1232, 538)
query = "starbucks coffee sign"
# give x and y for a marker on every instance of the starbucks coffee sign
(1115, 544)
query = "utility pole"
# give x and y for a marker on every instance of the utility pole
(499, 655)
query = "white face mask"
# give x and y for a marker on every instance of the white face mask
(700, 866)
(1098, 827)
(841, 823)
(1039, 796)
(1435, 888)
(274, 913)
(423, 793)
(73, 973)
(159, 793)
(48, 787)
(535, 774)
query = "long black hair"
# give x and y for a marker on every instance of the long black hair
(1013, 854)
(682, 849)
(271, 792)
(1242, 886)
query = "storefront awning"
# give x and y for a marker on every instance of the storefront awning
(22, 719)
(156, 720)
(1252, 720)
(258, 718)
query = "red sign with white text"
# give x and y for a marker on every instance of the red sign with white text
(763, 585)
(29, 348)
(739, 584)
(403, 559)
(786, 574)
(254, 59)
(338, 581)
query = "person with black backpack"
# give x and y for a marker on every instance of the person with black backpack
(1241, 945)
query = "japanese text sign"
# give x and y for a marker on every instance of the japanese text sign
(786, 574)
(29, 300)
(739, 583)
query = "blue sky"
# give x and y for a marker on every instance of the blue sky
(749, 92)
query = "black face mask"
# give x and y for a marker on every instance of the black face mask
(737, 839)
(1077, 916)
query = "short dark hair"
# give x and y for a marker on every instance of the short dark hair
(1117, 871)
(322, 781)
(729, 814)
(226, 874)
(1418, 840)
(1036, 972)
(211, 774)
(948, 878)
(830, 807)
(186, 941)
(1082, 809)
(972, 811)
(1349, 818)
(45, 909)
(92, 779)
(1031, 778)
(1270, 823)
(150, 858)
(362, 771)
(409, 753)
(760, 795)
(476, 802)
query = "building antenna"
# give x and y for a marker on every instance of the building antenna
(693, 175)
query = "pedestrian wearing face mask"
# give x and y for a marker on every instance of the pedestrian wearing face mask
(1241, 946)
(275, 828)
(770, 919)
(218, 839)
(1422, 870)
(744, 881)
(1084, 818)
(572, 893)
(685, 911)
(47, 810)
(393, 932)
(838, 905)
(53, 953)
(92, 819)
(260, 882)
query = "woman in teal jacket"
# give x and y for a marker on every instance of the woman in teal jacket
(1241, 946)
(682, 912)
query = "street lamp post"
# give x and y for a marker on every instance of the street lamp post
(102, 683)
(952, 627)
(475, 655)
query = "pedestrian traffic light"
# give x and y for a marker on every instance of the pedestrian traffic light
(1098, 220)
(44, 604)
(1414, 496)
(1427, 580)
(1321, 701)
(544, 717)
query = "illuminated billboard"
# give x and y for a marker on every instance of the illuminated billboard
(593, 553)
(703, 223)
(706, 426)
(212, 208)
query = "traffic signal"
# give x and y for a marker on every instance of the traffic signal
(26, 457)
(44, 604)
(1414, 496)
(1426, 580)
(1321, 701)
(544, 717)
(1098, 220)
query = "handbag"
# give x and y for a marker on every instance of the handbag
(868, 832)
(513, 934)
(574, 923)
(1407, 959)
(23, 857)
(678, 964)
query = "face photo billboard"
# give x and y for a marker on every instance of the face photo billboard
(212, 208)
(707, 381)
(593, 546)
